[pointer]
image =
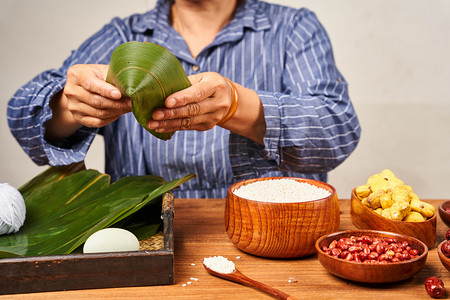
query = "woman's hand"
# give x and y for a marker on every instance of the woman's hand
(90, 99)
(199, 107)
(87, 100)
(205, 104)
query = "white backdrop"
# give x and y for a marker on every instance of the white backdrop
(393, 53)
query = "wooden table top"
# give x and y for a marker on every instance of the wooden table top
(199, 232)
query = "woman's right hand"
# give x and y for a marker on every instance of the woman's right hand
(87, 100)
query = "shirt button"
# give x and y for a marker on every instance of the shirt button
(195, 68)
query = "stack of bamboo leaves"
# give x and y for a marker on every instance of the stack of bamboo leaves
(65, 205)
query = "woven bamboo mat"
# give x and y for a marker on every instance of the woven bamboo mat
(153, 243)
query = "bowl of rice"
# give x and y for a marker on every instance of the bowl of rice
(280, 217)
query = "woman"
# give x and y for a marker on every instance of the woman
(293, 118)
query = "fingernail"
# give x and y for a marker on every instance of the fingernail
(170, 102)
(115, 94)
(158, 115)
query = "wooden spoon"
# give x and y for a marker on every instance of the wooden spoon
(238, 277)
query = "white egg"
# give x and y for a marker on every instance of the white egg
(111, 240)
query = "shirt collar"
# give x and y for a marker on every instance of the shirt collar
(250, 14)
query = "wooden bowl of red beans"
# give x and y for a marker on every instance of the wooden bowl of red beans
(371, 256)
(444, 212)
(444, 251)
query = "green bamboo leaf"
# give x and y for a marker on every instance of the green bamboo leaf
(146, 73)
(50, 175)
(43, 202)
(61, 215)
(139, 185)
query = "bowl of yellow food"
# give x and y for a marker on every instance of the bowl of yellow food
(386, 203)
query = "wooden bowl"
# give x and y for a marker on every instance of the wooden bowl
(371, 273)
(444, 259)
(280, 230)
(445, 216)
(365, 218)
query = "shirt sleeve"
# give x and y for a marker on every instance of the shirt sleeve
(311, 125)
(29, 109)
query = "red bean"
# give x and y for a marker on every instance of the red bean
(380, 248)
(332, 244)
(363, 256)
(367, 240)
(335, 252)
(373, 255)
(382, 257)
(390, 240)
(377, 239)
(399, 256)
(371, 250)
(414, 252)
(398, 250)
(342, 245)
(353, 249)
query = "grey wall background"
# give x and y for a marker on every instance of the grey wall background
(394, 54)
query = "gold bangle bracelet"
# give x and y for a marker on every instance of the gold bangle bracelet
(234, 102)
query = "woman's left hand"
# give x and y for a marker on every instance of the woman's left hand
(199, 107)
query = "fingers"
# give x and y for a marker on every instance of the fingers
(92, 101)
(92, 79)
(200, 123)
(92, 122)
(201, 89)
(102, 108)
(192, 109)
(199, 107)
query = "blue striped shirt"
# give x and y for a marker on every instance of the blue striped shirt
(284, 54)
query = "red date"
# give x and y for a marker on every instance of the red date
(371, 250)
(445, 248)
(435, 287)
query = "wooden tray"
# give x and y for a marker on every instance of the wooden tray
(91, 271)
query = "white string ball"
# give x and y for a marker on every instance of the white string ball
(12, 209)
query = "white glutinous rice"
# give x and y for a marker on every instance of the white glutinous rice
(219, 264)
(281, 191)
